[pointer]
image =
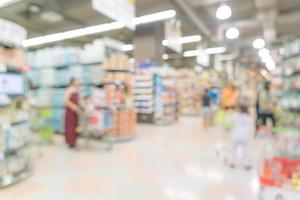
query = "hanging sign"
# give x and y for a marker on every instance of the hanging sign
(118, 10)
(11, 34)
(173, 34)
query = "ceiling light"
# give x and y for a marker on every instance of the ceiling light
(72, 34)
(51, 16)
(259, 43)
(223, 12)
(215, 50)
(185, 40)
(271, 65)
(131, 60)
(266, 58)
(190, 39)
(127, 47)
(165, 56)
(154, 17)
(263, 52)
(165, 42)
(34, 8)
(4, 3)
(191, 53)
(232, 33)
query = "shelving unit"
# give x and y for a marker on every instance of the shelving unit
(118, 88)
(155, 96)
(15, 161)
(188, 92)
(280, 175)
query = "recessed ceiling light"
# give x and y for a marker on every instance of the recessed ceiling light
(165, 56)
(271, 65)
(51, 16)
(232, 33)
(223, 12)
(34, 8)
(263, 52)
(259, 43)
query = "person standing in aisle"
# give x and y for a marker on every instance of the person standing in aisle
(229, 97)
(266, 105)
(206, 109)
(71, 100)
(214, 99)
(242, 131)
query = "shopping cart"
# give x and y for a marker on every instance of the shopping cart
(97, 126)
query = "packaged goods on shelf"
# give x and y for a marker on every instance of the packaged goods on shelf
(50, 77)
(14, 119)
(280, 168)
(155, 95)
(188, 92)
(118, 87)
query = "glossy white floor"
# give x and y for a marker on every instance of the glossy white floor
(177, 162)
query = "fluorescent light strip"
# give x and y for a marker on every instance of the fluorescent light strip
(190, 39)
(185, 40)
(94, 29)
(72, 34)
(192, 53)
(154, 17)
(4, 3)
(127, 47)
(214, 50)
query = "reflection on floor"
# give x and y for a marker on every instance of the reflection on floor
(175, 162)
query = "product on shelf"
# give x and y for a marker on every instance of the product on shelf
(155, 94)
(14, 117)
(281, 167)
(188, 92)
(166, 105)
(118, 87)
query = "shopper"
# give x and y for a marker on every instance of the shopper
(266, 105)
(242, 131)
(229, 96)
(71, 100)
(214, 101)
(206, 109)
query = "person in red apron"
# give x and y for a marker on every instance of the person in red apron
(71, 100)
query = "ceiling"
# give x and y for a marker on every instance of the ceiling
(275, 20)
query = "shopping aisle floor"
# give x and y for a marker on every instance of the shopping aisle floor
(175, 162)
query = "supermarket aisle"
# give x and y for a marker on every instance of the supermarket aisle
(164, 163)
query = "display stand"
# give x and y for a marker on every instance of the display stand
(118, 89)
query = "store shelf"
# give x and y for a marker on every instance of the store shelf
(119, 70)
(19, 122)
(13, 152)
(68, 66)
(11, 179)
(120, 139)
